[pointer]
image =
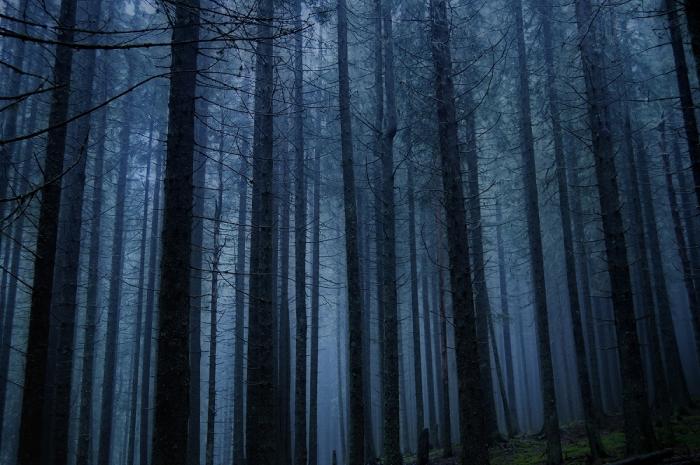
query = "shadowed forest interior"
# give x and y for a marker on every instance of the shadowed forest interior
(349, 232)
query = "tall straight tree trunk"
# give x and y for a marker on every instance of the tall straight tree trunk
(505, 315)
(639, 432)
(341, 398)
(300, 444)
(284, 347)
(534, 232)
(481, 297)
(591, 416)
(391, 373)
(85, 416)
(676, 376)
(685, 93)
(133, 413)
(144, 444)
(213, 315)
(261, 440)
(471, 397)
(585, 286)
(315, 278)
(356, 436)
(172, 367)
(37, 352)
(427, 338)
(639, 239)
(239, 330)
(114, 298)
(445, 372)
(415, 310)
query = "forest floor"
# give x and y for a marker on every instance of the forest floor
(685, 441)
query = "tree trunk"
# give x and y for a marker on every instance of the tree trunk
(527, 143)
(37, 352)
(685, 92)
(356, 437)
(415, 311)
(639, 432)
(445, 372)
(505, 315)
(471, 414)
(427, 338)
(172, 367)
(315, 304)
(591, 416)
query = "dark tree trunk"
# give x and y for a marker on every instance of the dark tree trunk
(341, 399)
(172, 368)
(37, 354)
(481, 296)
(239, 335)
(429, 365)
(284, 347)
(444, 368)
(471, 397)
(527, 143)
(356, 436)
(685, 93)
(391, 372)
(114, 298)
(415, 305)
(676, 376)
(639, 432)
(591, 416)
(300, 444)
(261, 424)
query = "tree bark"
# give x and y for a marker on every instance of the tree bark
(356, 436)
(639, 432)
(172, 367)
(315, 306)
(527, 143)
(37, 352)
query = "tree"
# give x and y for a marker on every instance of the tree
(352, 262)
(37, 354)
(639, 432)
(468, 378)
(534, 233)
(172, 368)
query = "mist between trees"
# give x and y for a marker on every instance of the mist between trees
(366, 231)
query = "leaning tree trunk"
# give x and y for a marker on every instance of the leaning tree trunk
(639, 432)
(172, 367)
(534, 232)
(685, 93)
(37, 352)
(471, 397)
(591, 416)
(356, 436)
